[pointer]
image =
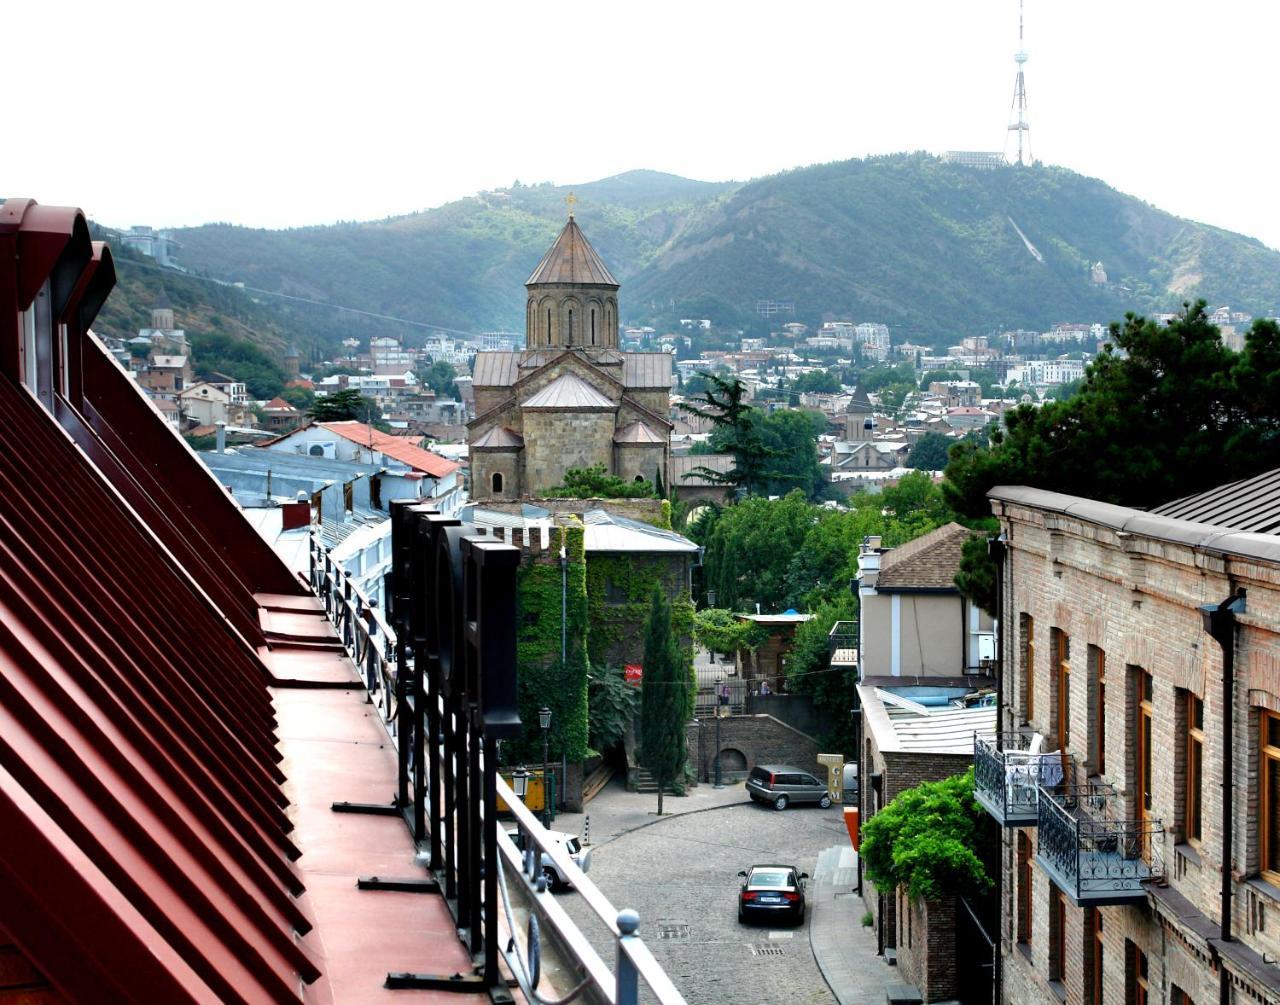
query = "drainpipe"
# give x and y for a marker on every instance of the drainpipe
(564, 605)
(997, 548)
(1220, 623)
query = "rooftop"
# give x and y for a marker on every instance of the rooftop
(924, 720)
(571, 260)
(930, 562)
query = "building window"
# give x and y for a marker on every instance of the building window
(1096, 961)
(1057, 934)
(1179, 997)
(570, 326)
(496, 481)
(1269, 756)
(1097, 724)
(1194, 767)
(548, 326)
(1024, 888)
(593, 326)
(1027, 634)
(1137, 978)
(1144, 695)
(613, 593)
(1062, 657)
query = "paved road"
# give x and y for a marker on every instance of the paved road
(680, 874)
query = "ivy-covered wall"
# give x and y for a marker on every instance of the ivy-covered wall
(618, 591)
(544, 679)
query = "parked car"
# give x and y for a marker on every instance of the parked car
(772, 891)
(780, 785)
(556, 879)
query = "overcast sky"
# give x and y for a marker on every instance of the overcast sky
(285, 114)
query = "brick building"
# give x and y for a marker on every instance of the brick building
(1144, 647)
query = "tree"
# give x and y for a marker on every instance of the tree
(299, 397)
(817, 381)
(790, 437)
(595, 483)
(717, 630)
(938, 377)
(666, 699)
(440, 378)
(809, 671)
(612, 706)
(932, 840)
(342, 406)
(738, 424)
(1176, 413)
(930, 452)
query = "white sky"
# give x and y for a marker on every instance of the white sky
(283, 114)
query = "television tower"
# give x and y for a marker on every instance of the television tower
(1018, 112)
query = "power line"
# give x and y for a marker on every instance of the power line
(306, 300)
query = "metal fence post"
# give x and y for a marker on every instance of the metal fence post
(628, 990)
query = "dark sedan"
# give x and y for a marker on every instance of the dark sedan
(772, 892)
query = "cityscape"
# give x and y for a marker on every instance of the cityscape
(855, 584)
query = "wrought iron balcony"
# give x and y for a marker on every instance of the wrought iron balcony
(1091, 851)
(842, 641)
(1006, 781)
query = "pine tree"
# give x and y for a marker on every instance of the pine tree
(666, 701)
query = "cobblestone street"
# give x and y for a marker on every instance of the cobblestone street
(681, 875)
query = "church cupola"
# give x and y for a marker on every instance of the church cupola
(573, 297)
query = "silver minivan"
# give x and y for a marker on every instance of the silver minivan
(780, 785)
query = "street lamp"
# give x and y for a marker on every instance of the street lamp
(520, 783)
(544, 720)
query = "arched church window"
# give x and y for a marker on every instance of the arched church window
(593, 326)
(570, 326)
(548, 326)
(639, 478)
(496, 480)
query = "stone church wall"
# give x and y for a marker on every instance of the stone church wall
(556, 441)
(643, 460)
(485, 464)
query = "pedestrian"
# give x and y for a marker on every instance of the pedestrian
(764, 688)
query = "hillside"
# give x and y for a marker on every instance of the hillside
(460, 266)
(931, 248)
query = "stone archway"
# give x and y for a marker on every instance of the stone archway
(733, 764)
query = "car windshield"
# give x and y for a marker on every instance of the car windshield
(769, 877)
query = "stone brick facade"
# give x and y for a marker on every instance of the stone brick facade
(1118, 593)
(927, 945)
(748, 740)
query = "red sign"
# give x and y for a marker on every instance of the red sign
(634, 673)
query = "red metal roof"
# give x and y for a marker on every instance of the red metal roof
(392, 446)
(148, 851)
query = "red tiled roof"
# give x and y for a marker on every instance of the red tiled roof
(392, 446)
(278, 405)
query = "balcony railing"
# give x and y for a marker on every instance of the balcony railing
(842, 642)
(442, 665)
(1006, 780)
(1091, 850)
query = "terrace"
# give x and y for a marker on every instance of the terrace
(1008, 773)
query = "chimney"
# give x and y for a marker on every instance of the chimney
(869, 561)
(222, 436)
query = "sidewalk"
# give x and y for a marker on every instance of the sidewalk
(615, 811)
(845, 951)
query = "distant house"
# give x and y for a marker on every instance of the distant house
(207, 404)
(280, 415)
(438, 477)
(915, 622)
(765, 669)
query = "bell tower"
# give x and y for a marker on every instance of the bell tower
(573, 297)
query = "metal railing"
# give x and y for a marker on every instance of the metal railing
(1091, 850)
(370, 642)
(444, 668)
(1007, 776)
(843, 635)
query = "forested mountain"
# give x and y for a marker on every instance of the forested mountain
(936, 250)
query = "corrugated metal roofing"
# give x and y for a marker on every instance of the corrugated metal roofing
(647, 370)
(568, 391)
(495, 369)
(572, 260)
(637, 432)
(392, 446)
(607, 531)
(684, 469)
(1251, 504)
(500, 438)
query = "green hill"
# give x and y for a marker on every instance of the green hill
(929, 247)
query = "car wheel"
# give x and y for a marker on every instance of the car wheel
(825, 802)
(800, 918)
(781, 803)
(742, 918)
(553, 881)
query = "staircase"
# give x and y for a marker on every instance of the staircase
(644, 783)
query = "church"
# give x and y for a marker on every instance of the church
(570, 399)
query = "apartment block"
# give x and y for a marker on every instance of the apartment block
(1137, 771)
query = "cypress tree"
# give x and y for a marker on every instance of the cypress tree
(666, 703)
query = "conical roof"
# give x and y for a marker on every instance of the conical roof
(572, 261)
(859, 402)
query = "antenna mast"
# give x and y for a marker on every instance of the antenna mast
(1018, 112)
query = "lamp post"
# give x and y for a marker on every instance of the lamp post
(520, 783)
(544, 720)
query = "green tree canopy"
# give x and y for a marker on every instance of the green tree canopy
(933, 841)
(817, 381)
(666, 699)
(342, 406)
(214, 352)
(930, 452)
(440, 378)
(596, 483)
(718, 630)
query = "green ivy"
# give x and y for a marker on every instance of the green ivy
(612, 622)
(546, 680)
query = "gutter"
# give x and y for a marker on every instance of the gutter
(1220, 623)
(998, 550)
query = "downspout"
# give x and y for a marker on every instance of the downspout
(997, 549)
(564, 606)
(1220, 623)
